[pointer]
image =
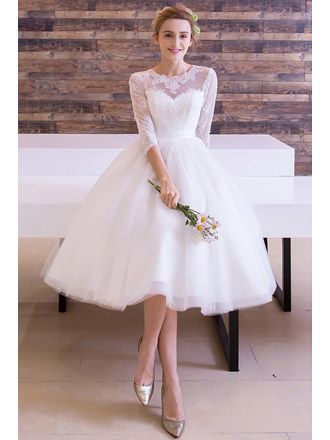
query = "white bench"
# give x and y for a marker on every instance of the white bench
(56, 172)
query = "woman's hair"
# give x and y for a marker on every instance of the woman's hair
(179, 10)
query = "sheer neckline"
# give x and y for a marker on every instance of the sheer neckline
(173, 76)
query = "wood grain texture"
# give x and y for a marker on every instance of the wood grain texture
(75, 58)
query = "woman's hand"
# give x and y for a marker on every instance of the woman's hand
(169, 193)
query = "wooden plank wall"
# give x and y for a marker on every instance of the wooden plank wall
(75, 58)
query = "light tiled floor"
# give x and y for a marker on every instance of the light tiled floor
(76, 368)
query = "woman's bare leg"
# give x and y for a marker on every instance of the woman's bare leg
(154, 314)
(167, 348)
(160, 327)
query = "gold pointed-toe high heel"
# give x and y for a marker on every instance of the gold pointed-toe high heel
(144, 392)
(174, 427)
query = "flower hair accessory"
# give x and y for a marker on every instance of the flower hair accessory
(195, 18)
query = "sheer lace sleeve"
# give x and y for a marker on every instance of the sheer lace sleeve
(141, 111)
(207, 111)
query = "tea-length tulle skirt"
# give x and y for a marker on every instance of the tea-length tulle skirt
(125, 245)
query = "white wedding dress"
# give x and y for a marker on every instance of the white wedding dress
(124, 244)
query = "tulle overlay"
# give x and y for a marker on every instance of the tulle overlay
(125, 245)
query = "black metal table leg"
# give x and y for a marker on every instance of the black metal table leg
(229, 339)
(266, 242)
(62, 300)
(283, 295)
(61, 303)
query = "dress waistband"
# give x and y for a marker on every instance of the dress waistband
(176, 134)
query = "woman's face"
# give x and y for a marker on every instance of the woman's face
(174, 33)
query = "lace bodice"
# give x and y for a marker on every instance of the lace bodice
(173, 106)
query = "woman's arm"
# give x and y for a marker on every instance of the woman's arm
(158, 164)
(207, 111)
(169, 193)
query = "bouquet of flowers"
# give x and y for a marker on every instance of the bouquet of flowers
(205, 225)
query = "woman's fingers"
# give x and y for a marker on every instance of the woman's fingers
(169, 195)
(175, 201)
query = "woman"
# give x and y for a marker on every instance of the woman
(128, 243)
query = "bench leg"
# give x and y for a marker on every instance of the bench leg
(61, 303)
(283, 295)
(266, 242)
(61, 298)
(229, 339)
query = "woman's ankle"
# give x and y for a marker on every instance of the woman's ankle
(145, 370)
(173, 405)
(171, 380)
